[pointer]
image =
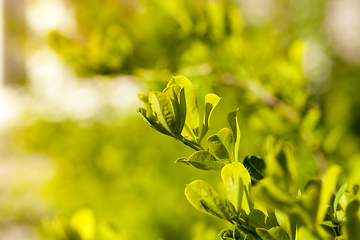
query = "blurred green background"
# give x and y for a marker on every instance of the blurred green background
(77, 162)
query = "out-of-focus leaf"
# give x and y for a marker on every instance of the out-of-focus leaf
(256, 167)
(237, 185)
(204, 198)
(143, 97)
(305, 234)
(309, 203)
(273, 166)
(338, 196)
(355, 189)
(203, 160)
(83, 220)
(289, 166)
(275, 233)
(164, 110)
(226, 234)
(258, 219)
(234, 125)
(331, 177)
(211, 100)
(287, 223)
(353, 221)
(270, 194)
(192, 122)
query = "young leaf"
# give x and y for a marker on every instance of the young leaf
(204, 198)
(203, 160)
(331, 177)
(164, 110)
(237, 185)
(275, 233)
(233, 122)
(211, 100)
(256, 168)
(144, 113)
(338, 197)
(192, 121)
(177, 97)
(226, 234)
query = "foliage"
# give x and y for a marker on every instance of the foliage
(261, 201)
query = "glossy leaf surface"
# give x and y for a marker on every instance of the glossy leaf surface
(237, 185)
(204, 198)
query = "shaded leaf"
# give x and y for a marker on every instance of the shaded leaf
(256, 167)
(258, 219)
(217, 148)
(211, 100)
(353, 221)
(226, 137)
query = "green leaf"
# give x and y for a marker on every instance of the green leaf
(234, 125)
(275, 233)
(287, 223)
(211, 100)
(164, 110)
(146, 115)
(177, 97)
(192, 122)
(222, 145)
(338, 196)
(226, 137)
(331, 177)
(204, 198)
(203, 160)
(237, 185)
(258, 219)
(256, 168)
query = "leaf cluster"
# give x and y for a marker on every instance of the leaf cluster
(261, 201)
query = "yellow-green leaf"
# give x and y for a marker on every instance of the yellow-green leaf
(211, 100)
